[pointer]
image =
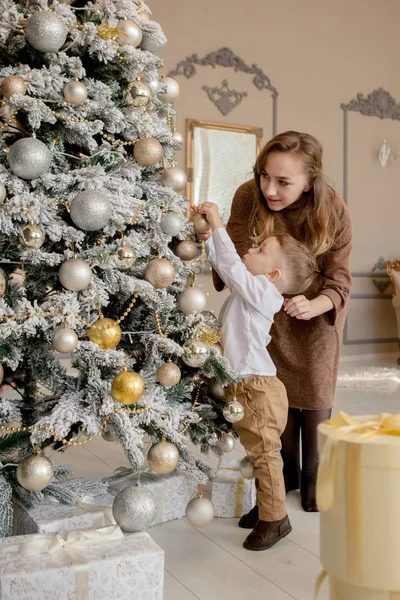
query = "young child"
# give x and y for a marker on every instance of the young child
(280, 265)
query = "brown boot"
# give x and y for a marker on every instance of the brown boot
(266, 533)
(249, 520)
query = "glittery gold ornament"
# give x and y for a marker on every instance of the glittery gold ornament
(32, 236)
(200, 224)
(127, 387)
(125, 256)
(35, 472)
(12, 85)
(106, 333)
(138, 94)
(163, 457)
(160, 273)
(211, 336)
(147, 152)
(1, 373)
(169, 374)
(3, 283)
(186, 250)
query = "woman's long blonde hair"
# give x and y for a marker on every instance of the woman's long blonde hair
(321, 219)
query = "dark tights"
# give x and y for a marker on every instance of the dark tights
(306, 422)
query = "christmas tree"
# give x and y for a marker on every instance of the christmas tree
(97, 256)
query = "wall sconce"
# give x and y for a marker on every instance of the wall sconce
(384, 154)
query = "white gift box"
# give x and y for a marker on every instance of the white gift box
(81, 565)
(171, 492)
(50, 516)
(231, 494)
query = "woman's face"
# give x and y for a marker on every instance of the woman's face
(283, 180)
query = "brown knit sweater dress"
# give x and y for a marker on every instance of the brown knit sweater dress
(305, 353)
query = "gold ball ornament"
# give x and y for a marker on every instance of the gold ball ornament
(106, 333)
(200, 224)
(1, 373)
(163, 457)
(3, 283)
(186, 250)
(32, 236)
(147, 152)
(160, 273)
(125, 256)
(12, 85)
(35, 472)
(169, 374)
(127, 387)
(138, 94)
(131, 34)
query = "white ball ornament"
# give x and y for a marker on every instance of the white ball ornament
(65, 340)
(29, 158)
(172, 91)
(35, 472)
(75, 274)
(174, 178)
(177, 137)
(192, 300)
(246, 468)
(75, 93)
(131, 33)
(200, 224)
(200, 511)
(163, 457)
(226, 443)
(46, 31)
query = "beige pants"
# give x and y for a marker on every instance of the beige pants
(266, 408)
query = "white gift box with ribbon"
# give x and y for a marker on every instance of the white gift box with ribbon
(231, 494)
(100, 564)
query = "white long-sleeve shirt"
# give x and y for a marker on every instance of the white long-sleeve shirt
(248, 313)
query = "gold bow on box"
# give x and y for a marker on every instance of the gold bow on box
(358, 494)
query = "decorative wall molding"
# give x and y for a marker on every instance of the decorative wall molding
(224, 98)
(224, 57)
(379, 103)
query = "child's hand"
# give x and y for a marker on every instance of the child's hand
(202, 236)
(210, 211)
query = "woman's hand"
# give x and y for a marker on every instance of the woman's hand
(298, 307)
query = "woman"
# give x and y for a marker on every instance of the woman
(289, 193)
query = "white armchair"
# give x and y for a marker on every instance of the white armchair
(393, 269)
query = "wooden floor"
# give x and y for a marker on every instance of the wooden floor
(210, 563)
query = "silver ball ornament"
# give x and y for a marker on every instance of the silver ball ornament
(192, 300)
(29, 158)
(163, 457)
(65, 340)
(75, 93)
(35, 472)
(160, 273)
(200, 224)
(226, 443)
(174, 178)
(45, 31)
(246, 468)
(233, 411)
(75, 274)
(196, 353)
(200, 511)
(169, 374)
(147, 152)
(177, 137)
(171, 223)
(216, 389)
(90, 210)
(213, 439)
(32, 236)
(186, 250)
(132, 35)
(109, 435)
(172, 91)
(125, 256)
(3, 192)
(134, 508)
(3, 282)
(138, 94)
(210, 318)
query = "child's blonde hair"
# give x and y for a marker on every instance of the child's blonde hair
(301, 268)
(321, 220)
